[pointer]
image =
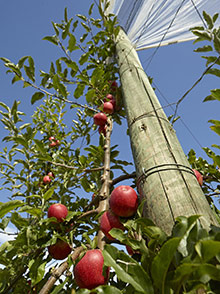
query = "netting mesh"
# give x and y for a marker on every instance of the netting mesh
(150, 23)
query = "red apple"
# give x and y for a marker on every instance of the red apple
(46, 180)
(59, 211)
(102, 130)
(131, 251)
(108, 107)
(110, 98)
(54, 142)
(113, 85)
(123, 201)
(109, 221)
(51, 175)
(88, 271)
(59, 250)
(100, 119)
(198, 176)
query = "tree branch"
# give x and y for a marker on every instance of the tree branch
(104, 192)
(122, 178)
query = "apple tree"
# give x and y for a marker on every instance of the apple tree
(51, 164)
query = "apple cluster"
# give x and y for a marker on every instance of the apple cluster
(88, 272)
(108, 107)
(123, 202)
(53, 142)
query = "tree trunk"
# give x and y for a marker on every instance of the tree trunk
(164, 177)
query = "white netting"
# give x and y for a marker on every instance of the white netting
(150, 23)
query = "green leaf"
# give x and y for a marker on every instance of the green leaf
(216, 129)
(72, 43)
(162, 262)
(208, 20)
(55, 28)
(202, 35)
(209, 98)
(216, 94)
(21, 61)
(58, 86)
(29, 73)
(21, 141)
(207, 249)
(65, 15)
(31, 210)
(48, 194)
(90, 95)
(215, 17)
(216, 43)
(214, 71)
(197, 271)
(87, 28)
(205, 48)
(90, 9)
(83, 17)
(52, 39)
(37, 96)
(18, 221)
(9, 206)
(58, 288)
(40, 146)
(79, 90)
(84, 57)
(36, 270)
(127, 269)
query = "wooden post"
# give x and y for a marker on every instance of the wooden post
(165, 179)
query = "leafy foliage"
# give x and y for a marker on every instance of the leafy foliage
(185, 262)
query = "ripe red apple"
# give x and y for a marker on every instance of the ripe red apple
(198, 176)
(59, 211)
(59, 250)
(52, 138)
(108, 107)
(109, 221)
(88, 271)
(110, 98)
(51, 175)
(123, 201)
(113, 85)
(100, 119)
(46, 180)
(102, 130)
(54, 142)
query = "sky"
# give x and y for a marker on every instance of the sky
(174, 68)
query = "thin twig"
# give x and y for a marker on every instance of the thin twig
(55, 96)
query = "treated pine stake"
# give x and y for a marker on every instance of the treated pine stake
(165, 179)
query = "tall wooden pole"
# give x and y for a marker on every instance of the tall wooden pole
(165, 179)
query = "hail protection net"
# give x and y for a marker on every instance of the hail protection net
(150, 23)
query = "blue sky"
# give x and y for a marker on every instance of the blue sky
(174, 68)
